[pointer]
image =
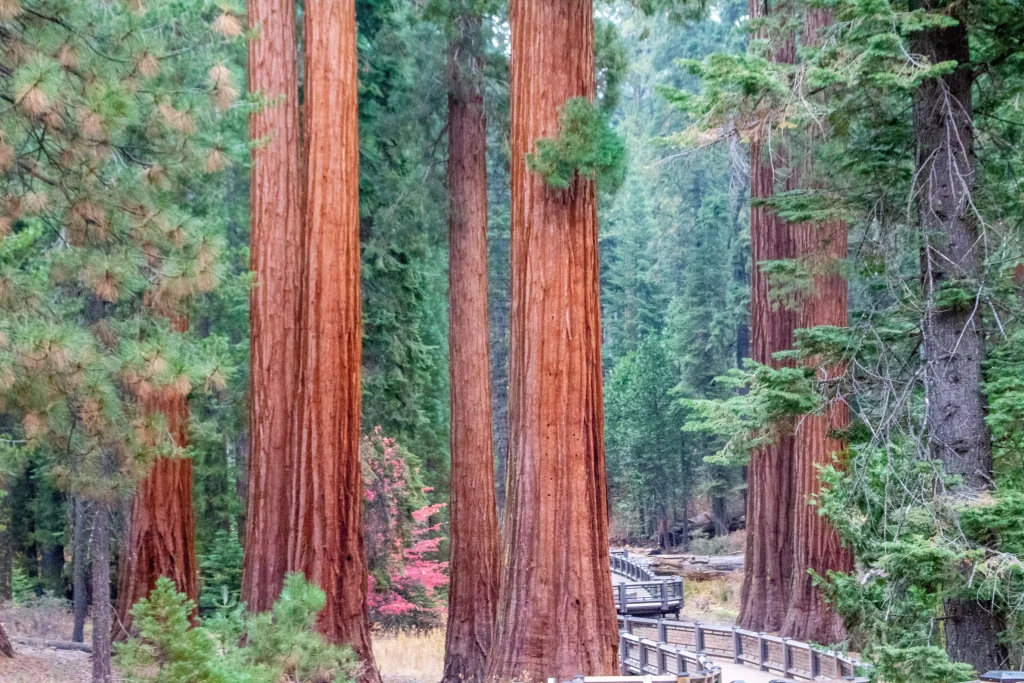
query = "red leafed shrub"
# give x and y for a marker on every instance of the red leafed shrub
(404, 538)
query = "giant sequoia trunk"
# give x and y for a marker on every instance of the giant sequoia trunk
(326, 536)
(555, 614)
(161, 530)
(953, 342)
(475, 555)
(276, 259)
(816, 544)
(767, 571)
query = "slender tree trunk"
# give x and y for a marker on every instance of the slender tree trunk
(6, 544)
(326, 537)
(768, 566)
(556, 571)
(161, 526)
(953, 336)
(241, 446)
(475, 555)
(101, 612)
(276, 259)
(80, 558)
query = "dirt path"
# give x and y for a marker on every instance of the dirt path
(45, 665)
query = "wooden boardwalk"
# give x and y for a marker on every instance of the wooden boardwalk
(653, 645)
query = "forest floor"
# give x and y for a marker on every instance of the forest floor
(404, 657)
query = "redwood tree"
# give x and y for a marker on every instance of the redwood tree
(276, 259)
(475, 555)
(951, 260)
(556, 574)
(161, 530)
(326, 536)
(816, 544)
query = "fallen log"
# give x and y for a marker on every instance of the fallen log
(53, 644)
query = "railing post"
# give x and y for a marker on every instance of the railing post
(662, 665)
(664, 596)
(622, 598)
(623, 656)
(662, 631)
(698, 637)
(681, 667)
(787, 657)
(643, 658)
(627, 624)
(815, 664)
(737, 646)
(762, 646)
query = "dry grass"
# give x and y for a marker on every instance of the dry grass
(45, 617)
(716, 601)
(415, 655)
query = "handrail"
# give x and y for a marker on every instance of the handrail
(792, 659)
(647, 657)
(644, 593)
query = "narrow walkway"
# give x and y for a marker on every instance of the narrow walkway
(737, 672)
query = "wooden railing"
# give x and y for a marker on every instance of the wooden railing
(649, 658)
(644, 593)
(790, 658)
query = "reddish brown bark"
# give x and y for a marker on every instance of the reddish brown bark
(474, 565)
(161, 534)
(555, 555)
(767, 571)
(816, 545)
(326, 537)
(276, 259)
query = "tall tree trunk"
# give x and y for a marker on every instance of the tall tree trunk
(80, 558)
(556, 572)
(474, 565)
(767, 570)
(275, 302)
(326, 537)
(768, 567)
(816, 544)
(161, 527)
(953, 342)
(101, 617)
(241, 447)
(6, 544)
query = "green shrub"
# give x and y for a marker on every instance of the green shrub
(278, 646)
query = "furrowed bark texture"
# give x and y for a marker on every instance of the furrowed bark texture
(474, 565)
(816, 544)
(555, 554)
(101, 617)
(953, 341)
(161, 530)
(326, 538)
(276, 259)
(768, 569)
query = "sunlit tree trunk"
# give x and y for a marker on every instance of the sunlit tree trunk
(276, 259)
(475, 555)
(556, 573)
(161, 529)
(326, 537)
(952, 256)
